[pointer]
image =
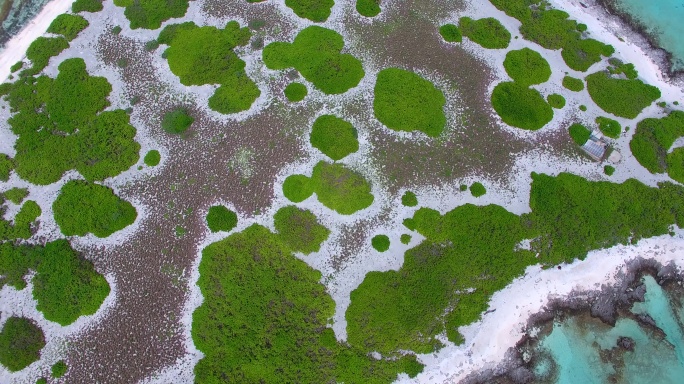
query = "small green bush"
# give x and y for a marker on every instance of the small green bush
(300, 229)
(405, 238)
(177, 121)
(675, 164)
(580, 54)
(152, 158)
(609, 170)
(556, 101)
(16, 66)
(6, 166)
(298, 188)
(150, 14)
(23, 221)
(463, 188)
(527, 67)
(314, 10)
(151, 45)
(409, 199)
(520, 106)
(609, 127)
(220, 218)
(296, 92)
(16, 195)
(579, 133)
(654, 138)
(583, 108)
(41, 380)
(335, 137)
(68, 25)
(368, 8)
(86, 6)
(477, 189)
(381, 243)
(487, 32)
(83, 208)
(20, 343)
(341, 189)
(573, 84)
(450, 33)
(404, 101)
(59, 369)
(621, 97)
(618, 67)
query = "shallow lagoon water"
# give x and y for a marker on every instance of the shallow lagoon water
(585, 350)
(663, 19)
(19, 15)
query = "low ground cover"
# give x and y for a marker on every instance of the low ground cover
(298, 188)
(368, 8)
(487, 32)
(151, 13)
(20, 343)
(654, 138)
(314, 10)
(299, 229)
(68, 25)
(621, 97)
(220, 218)
(527, 67)
(59, 369)
(520, 106)
(335, 137)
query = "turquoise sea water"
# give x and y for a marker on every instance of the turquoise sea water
(585, 351)
(665, 20)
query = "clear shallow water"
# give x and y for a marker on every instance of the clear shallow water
(665, 20)
(584, 350)
(21, 12)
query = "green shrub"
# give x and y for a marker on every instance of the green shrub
(573, 84)
(609, 170)
(580, 54)
(380, 243)
(675, 164)
(314, 10)
(450, 33)
(315, 53)
(41, 50)
(41, 380)
(151, 45)
(579, 133)
(404, 101)
(116, 30)
(83, 208)
(583, 108)
(549, 28)
(86, 6)
(152, 158)
(23, 221)
(335, 137)
(150, 14)
(409, 199)
(300, 230)
(609, 127)
(6, 166)
(341, 189)
(405, 238)
(654, 138)
(298, 188)
(487, 32)
(618, 67)
(556, 101)
(205, 55)
(59, 369)
(296, 92)
(68, 25)
(477, 189)
(16, 66)
(368, 8)
(16, 195)
(177, 121)
(527, 67)
(220, 218)
(20, 343)
(520, 106)
(624, 98)
(283, 314)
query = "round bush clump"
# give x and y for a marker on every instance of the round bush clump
(298, 188)
(20, 343)
(404, 101)
(59, 369)
(579, 133)
(341, 189)
(488, 32)
(333, 136)
(409, 199)
(654, 138)
(621, 97)
(150, 14)
(381, 243)
(300, 229)
(520, 106)
(527, 67)
(314, 10)
(220, 218)
(477, 189)
(609, 127)
(609, 170)
(556, 101)
(368, 8)
(573, 84)
(152, 158)
(296, 92)
(675, 164)
(450, 33)
(405, 238)
(177, 121)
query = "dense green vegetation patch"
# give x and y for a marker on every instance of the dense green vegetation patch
(487, 32)
(404, 101)
(405, 238)
(83, 208)
(20, 343)
(6, 166)
(581, 54)
(609, 170)
(177, 121)
(314, 10)
(296, 92)
(59, 369)
(87, 6)
(368, 8)
(409, 199)
(520, 106)
(450, 33)
(150, 14)
(68, 25)
(15, 195)
(264, 317)
(220, 218)
(654, 138)
(205, 55)
(477, 189)
(573, 84)
(609, 127)
(298, 188)
(380, 243)
(152, 158)
(556, 101)
(41, 50)
(675, 164)
(315, 53)
(300, 230)
(579, 133)
(341, 189)
(621, 97)
(335, 137)
(24, 221)
(61, 126)
(527, 67)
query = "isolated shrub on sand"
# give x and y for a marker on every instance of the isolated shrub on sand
(150, 14)
(177, 121)
(487, 32)
(20, 343)
(579, 133)
(368, 8)
(221, 218)
(520, 106)
(450, 33)
(527, 67)
(335, 137)
(381, 243)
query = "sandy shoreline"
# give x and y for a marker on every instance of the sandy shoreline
(15, 49)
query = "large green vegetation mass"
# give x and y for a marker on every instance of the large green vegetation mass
(314, 10)
(264, 320)
(573, 84)
(579, 133)
(84, 207)
(150, 14)
(520, 106)
(527, 67)
(487, 32)
(300, 229)
(335, 137)
(20, 343)
(68, 25)
(450, 33)
(315, 53)
(205, 55)
(61, 126)
(654, 138)
(296, 92)
(404, 101)
(621, 97)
